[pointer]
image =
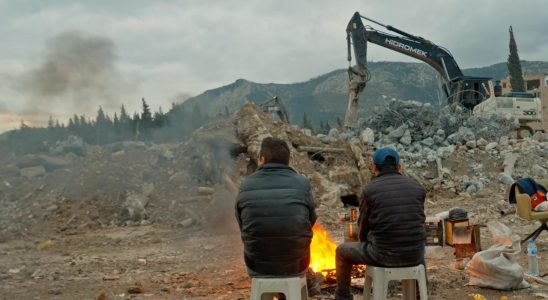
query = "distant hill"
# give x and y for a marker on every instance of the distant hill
(500, 71)
(324, 98)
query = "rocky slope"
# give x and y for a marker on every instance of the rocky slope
(324, 98)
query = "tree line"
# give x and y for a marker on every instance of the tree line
(146, 125)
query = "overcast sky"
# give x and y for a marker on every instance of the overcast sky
(64, 57)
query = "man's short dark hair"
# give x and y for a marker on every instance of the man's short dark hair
(274, 150)
(389, 165)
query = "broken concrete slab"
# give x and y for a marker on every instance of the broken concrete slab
(509, 162)
(31, 172)
(367, 136)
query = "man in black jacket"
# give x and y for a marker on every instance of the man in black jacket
(391, 223)
(275, 211)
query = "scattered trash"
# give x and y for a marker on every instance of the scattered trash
(137, 288)
(496, 267)
(476, 296)
(45, 245)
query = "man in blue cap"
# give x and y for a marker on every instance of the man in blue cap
(391, 223)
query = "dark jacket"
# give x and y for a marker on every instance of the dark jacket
(275, 211)
(527, 186)
(392, 220)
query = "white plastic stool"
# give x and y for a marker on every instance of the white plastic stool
(380, 277)
(294, 288)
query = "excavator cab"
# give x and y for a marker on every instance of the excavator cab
(471, 91)
(275, 109)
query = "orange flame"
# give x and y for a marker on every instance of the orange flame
(322, 250)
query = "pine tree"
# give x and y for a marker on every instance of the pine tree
(159, 118)
(146, 116)
(137, 127)
(124, 117)
(50, 122)
(115, 120)
(76, 121)
(514, 66)
(327, 127)
(101, 120)
(71, 124)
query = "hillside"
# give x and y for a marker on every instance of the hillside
(325, 97)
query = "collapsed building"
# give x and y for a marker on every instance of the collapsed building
(69, 188)
(76, 185)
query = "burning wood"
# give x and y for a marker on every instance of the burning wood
(322, 251)
(322, 257)
(358, 271)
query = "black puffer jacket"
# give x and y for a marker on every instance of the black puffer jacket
(275, 211)
(392, 220)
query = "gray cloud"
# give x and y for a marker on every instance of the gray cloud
(164, 47)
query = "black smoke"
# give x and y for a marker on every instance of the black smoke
(77, 68)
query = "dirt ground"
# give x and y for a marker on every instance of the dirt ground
(135, 220)
(158, 263)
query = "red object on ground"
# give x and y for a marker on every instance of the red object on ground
(537, 198)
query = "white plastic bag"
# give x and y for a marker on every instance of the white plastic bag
(496, 267)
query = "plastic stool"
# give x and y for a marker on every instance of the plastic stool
(380, 277)
(294, 288)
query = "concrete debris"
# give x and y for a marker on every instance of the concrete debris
(186, 223)
(540, 137)
(412, 124)
(505, 178)
(31, 172)
(367, 136)
(205, 190)
(134, 208)
(190, 186)
(509, 162)
(137, 288)
(73, 144)
(538, 171)
(491, 146)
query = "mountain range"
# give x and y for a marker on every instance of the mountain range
(325, 97)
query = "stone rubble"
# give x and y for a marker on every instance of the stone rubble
(132, 183)
(422, 134)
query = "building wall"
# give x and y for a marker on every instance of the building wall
(537, 84)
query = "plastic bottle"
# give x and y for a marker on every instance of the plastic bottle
(533, 259)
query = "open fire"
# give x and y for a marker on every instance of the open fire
(322, 256)
(322, 251)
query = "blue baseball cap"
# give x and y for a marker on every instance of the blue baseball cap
(379, 157)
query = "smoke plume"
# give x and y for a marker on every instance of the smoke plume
(78, 69)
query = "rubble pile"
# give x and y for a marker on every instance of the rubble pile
(336, 169)
(431, 140)
(420, 129)
(71, 197)
(74, 186)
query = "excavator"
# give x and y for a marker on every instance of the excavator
(275, 109)
(476, 94)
